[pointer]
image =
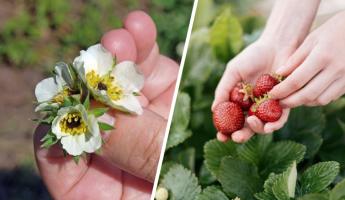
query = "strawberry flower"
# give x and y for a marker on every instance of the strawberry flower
(52, 91)
(114, 84)
(77, 130)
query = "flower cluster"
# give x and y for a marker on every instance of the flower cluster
(65, 99)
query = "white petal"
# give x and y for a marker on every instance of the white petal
(56, 129)
(128, 103)
(95, 58)
(93, 140)
(72, 144)
(128, 76)
(46, 89)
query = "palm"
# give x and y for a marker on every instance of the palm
(134, 147)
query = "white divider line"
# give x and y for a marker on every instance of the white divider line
(185, 48)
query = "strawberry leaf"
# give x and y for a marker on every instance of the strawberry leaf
(215, 151)
(280, 155)
(212, 192)
(239, 177)
(318, 177)
(181, 183)
(338, 192)
(254, 150)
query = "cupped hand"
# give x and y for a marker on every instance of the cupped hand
(126, 167)
(316, 71)
(261, 57)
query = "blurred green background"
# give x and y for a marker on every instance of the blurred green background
(35, 34)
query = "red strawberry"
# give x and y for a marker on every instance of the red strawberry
(228, 117)
(265, 83)
(241, 95)
(268, 110)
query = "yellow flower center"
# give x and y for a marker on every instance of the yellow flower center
(106, 83)
(73, 124)
(59, 98)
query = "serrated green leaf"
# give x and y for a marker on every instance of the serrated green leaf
(285, 185)
(254, 150)
(267, 194)
(239, 177)
(178, 132)
(315, 197)
(214, 151)
(97, 112)
(280, 155)
(105, 127)
(338, 192)
(280, 186)
(181, 183)
(212, 192)
(305, 126)
(177, 137)
(165, 168)
(318, 177)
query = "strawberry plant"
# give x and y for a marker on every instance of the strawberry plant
(305, 160)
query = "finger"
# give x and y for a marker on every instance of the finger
(298, 78)
(270, 127)
(295, 60)
(242, 135)
(143, 29)
(146, 67)
(162, 76)
(334, 91)
(135, 144)
(162, 104)
(255, 124)
(311, 91)
(67, 180)
(229, 79)
(121, 44)
(52, 164)
(222, 137)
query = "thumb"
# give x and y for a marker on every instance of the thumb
(135, 144)
(55, 167)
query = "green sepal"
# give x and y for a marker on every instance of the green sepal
(76, 159)
(49, 140)
(105, 127)
(97, 112)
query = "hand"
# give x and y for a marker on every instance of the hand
(316, 71)
(127, 165)
(261, 57)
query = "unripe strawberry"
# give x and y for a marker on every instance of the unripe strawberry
(241, 94)
(265, 83)
(228, 117)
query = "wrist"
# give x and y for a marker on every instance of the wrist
(288, 24)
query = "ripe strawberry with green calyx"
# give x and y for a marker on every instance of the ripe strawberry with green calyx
(228, 117)
(242, 95)
(265, 83)
(266, 109)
